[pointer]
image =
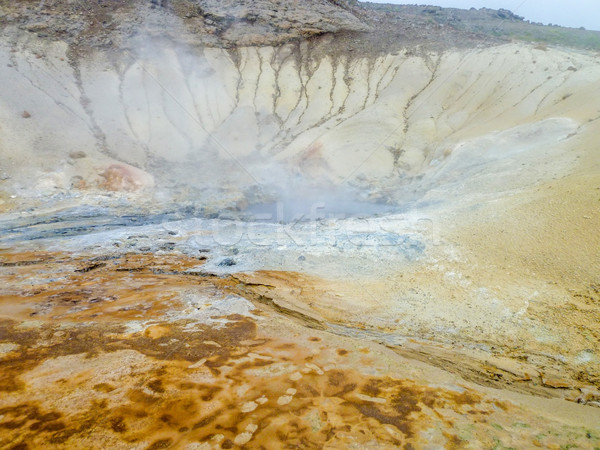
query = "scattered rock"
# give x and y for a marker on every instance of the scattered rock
(77, 155)
(249, 407)
(198, 364)
(555, 382)
(227, 262)
(588, 394)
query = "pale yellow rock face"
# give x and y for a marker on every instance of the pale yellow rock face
(259, 115)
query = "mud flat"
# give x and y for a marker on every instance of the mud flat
(137, 350)
(301, 240)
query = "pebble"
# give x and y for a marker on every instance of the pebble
(198, 364)
(284, 400)
(244, 438)
(249, 407)
(227, 262)
(295, 376)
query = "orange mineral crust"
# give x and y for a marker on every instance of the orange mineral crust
(112, 353)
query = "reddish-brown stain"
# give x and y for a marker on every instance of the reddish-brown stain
(196, 381)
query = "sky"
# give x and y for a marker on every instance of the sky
(568, 13)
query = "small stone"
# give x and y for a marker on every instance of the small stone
(25, 115)
(314, 367)
(554, 382)
(8, 347)
(241, 391)
(77, 155)
(588, 394)
(284, 400)
(227, 262)
(295, 376)
(197, 364)
(242, 438)
(249, 407)
(368, 398)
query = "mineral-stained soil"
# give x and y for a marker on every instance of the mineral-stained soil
(133, 352)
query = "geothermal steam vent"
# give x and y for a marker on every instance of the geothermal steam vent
(317, 224)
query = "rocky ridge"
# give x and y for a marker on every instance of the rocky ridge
(111, 23)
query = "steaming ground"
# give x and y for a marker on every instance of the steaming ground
(433, 215)
(346, 168)
(218, 129)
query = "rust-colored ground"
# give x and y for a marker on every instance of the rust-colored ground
(105, 353)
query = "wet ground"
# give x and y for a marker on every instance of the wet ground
(309, 210)
(139, 350)
(121, 328)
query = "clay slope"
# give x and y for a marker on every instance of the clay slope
(252, 118)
